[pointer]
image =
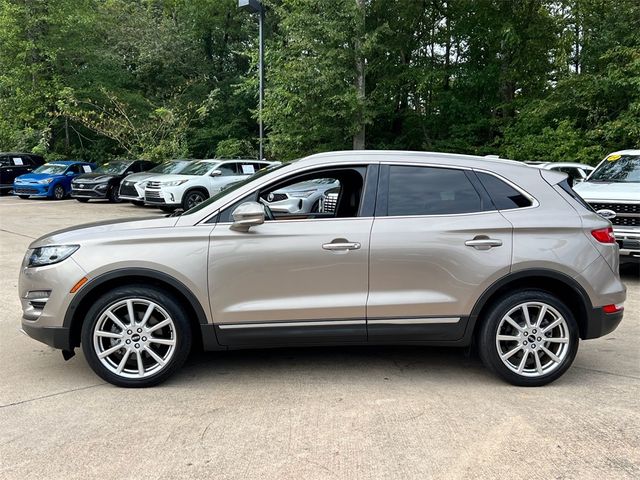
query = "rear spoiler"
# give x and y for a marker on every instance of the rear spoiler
(554, 178)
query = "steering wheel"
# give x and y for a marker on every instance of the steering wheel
(268, 214)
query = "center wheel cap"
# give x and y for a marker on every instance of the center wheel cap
(135, 337)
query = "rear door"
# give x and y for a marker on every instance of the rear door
(437, 243)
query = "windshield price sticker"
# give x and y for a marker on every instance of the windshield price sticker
(86, 168)
(248, 169)
(613, 158)
(17, 161)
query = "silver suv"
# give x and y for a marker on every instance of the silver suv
(421, 249)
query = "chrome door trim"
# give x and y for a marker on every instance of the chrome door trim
(413, 321)
(303, 323)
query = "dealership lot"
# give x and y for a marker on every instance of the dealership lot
(306, 413)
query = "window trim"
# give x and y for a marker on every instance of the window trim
(532, 199)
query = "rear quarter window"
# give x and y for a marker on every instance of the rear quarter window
(504, 196)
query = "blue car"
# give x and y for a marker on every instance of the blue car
(51, 180)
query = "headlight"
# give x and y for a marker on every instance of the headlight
(46, 181)
(175, 183)
(305, 194)
(49, 255)
(102, 186)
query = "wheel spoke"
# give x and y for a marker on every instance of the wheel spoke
(155, 356)
(510, 353)
(543, 312)
(513, 323)
(132, 318)
(147, 314)
(552, 325)
(123, 362)
(163, 341)
(115, 320)
(525, 312)
(109, 351)
(550, 353)
(102, 333)
(538, 364)
(523, 361)
(140, 364)
(508, 338)
(159, 325)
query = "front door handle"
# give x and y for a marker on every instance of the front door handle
(482, 242)
(340, 244)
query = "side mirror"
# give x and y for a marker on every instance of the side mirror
(69, 174)
(216, 173)
(128, 172)
(247, 215)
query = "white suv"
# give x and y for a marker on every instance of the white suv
(199, 181)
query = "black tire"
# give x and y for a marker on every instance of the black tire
(315, 208)
(23, 197)
(183, 334)
(82, 200)
(58, 192)
(193, 198)
(137, 203)
(168, 209)
(487, 340)
(113, 195)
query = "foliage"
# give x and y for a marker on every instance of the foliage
(528, 79)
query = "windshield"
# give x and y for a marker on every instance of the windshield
(234, 186)
(51, 168)
(170, 167)
(113, 167)
(618, 168)
(198, 168)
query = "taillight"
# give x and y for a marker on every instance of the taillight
(613, 308)
(604, 235)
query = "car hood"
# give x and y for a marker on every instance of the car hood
(170, 177)
(96, 177)
(34, 177)
(139, 177)
(604, 191)
(100, 230)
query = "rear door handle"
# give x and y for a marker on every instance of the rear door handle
(482, 242)
(340, 244)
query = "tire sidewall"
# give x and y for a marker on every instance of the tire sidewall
(163, 299)
(185, 200)
(487, 338)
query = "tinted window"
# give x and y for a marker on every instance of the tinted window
(430, 191)
(228, 169)
(504, 196)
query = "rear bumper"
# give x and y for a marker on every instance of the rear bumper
(600, 324)
(56, 337)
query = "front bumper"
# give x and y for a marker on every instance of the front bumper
(629, 243)
(31, 189)
(163, 197)
(131, 192)
(98, 190)
(56, 337)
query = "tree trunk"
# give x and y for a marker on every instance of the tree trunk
(359, 136)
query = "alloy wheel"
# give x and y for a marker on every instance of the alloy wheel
(134, 338)
(58, 192)
(533, 339)
(193, 199)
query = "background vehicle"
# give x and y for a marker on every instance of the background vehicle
(329, 200)
(104, 182)
(303, 197)
(613, 190)
(51, 180)
(197, 182)
(421, 249)
(13, 165)
(578, 172)
(132, 187)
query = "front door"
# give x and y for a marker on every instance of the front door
(293, 281)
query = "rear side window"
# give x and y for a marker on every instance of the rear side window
(430, 191)
(504, 196)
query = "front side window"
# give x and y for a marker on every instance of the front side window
(430, 191)
(228, 169)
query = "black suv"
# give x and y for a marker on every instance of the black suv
(104, 182)
(13, 165)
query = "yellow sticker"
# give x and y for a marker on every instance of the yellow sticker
(613, 158)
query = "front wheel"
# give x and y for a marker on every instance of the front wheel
(193, 198)
(136, 336)
(114, 195)
(529, 338)
(58, 192)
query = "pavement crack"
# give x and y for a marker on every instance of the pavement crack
(607, 373)
(16, 233)
(51, 395)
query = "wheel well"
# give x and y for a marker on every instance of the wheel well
(89, 298)
(199, 189)
(565, 292)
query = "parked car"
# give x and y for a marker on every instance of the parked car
(578, 172)
(422, 249)
(613, 190)
(197, 182)
(104, 182)
(51, 180)
(329, 200)
(13, 165)
(132, 187)
(303, 197)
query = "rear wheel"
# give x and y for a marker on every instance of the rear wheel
(136, 336)
(114, 195)
(58, 192)
(529, 338)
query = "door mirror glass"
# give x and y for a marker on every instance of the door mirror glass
(70, 173)
(247, 215)
(216, 173)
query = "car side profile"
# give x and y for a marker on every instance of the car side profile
(51, 180)
(12, 165)
(420, 249)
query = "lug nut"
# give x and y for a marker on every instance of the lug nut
(539, 339)
(140, 330)
(533, 345)
(524, 343)
(128, 342)
(137, 345)
(144, 339)
(129, 332)
(526, 334)
(535, 331)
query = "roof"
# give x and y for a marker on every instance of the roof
(69, 162)
(20, 153)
